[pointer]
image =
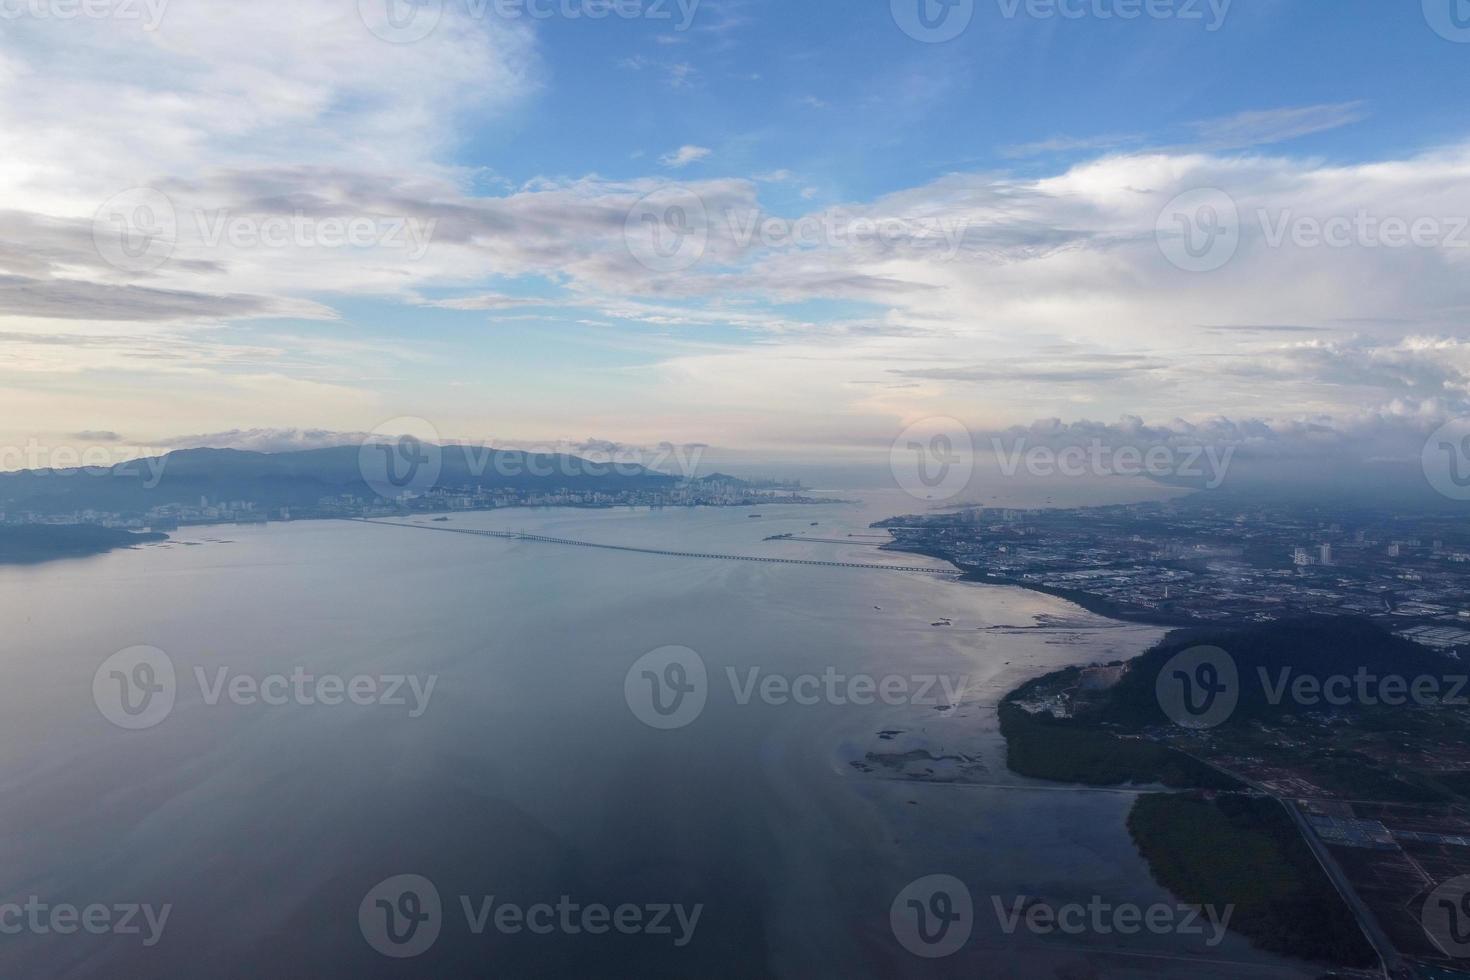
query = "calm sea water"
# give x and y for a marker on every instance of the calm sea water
(527, 776)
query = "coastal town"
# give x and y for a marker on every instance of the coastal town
(716, 491)
(1200, 562)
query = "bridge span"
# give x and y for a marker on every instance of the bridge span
(519, 536)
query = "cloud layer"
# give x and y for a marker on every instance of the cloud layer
(298, 169)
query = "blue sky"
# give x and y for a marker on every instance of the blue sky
(1034, 171)
(832, 91)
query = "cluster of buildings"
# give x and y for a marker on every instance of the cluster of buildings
(87, 516)
(1184, 563)
(159, 518)
(168, 516)
(709, 492)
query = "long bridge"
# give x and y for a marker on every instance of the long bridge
(544, 539)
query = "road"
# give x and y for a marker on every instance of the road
(1394, 966)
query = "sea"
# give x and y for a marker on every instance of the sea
(335, 749)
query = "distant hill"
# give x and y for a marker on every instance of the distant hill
(298, 479)
(1318, 646)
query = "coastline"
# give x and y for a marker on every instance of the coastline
(1164, 826)
(1057, 728)
(1092, 603)
(35, 544)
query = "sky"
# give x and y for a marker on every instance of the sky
(764, 225)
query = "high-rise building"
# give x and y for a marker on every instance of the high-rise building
(1325, 554)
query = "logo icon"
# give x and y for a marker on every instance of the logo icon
(667, 688)
(401, 457)
(668, 230)
(933, 21)
(1199, 231)
(136, 230)
(1199, 688)
(933, 916)
(135, 688)
(1449, 18)
(1446, 917)
(933, 459)
(401, 916)
(1446, 459)
(401, 21)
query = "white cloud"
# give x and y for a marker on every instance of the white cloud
(677, 74)
(483, 301)
(1242, 130)
(1050, 298)
(1277, 125)
(92, 107)
(685, 155)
